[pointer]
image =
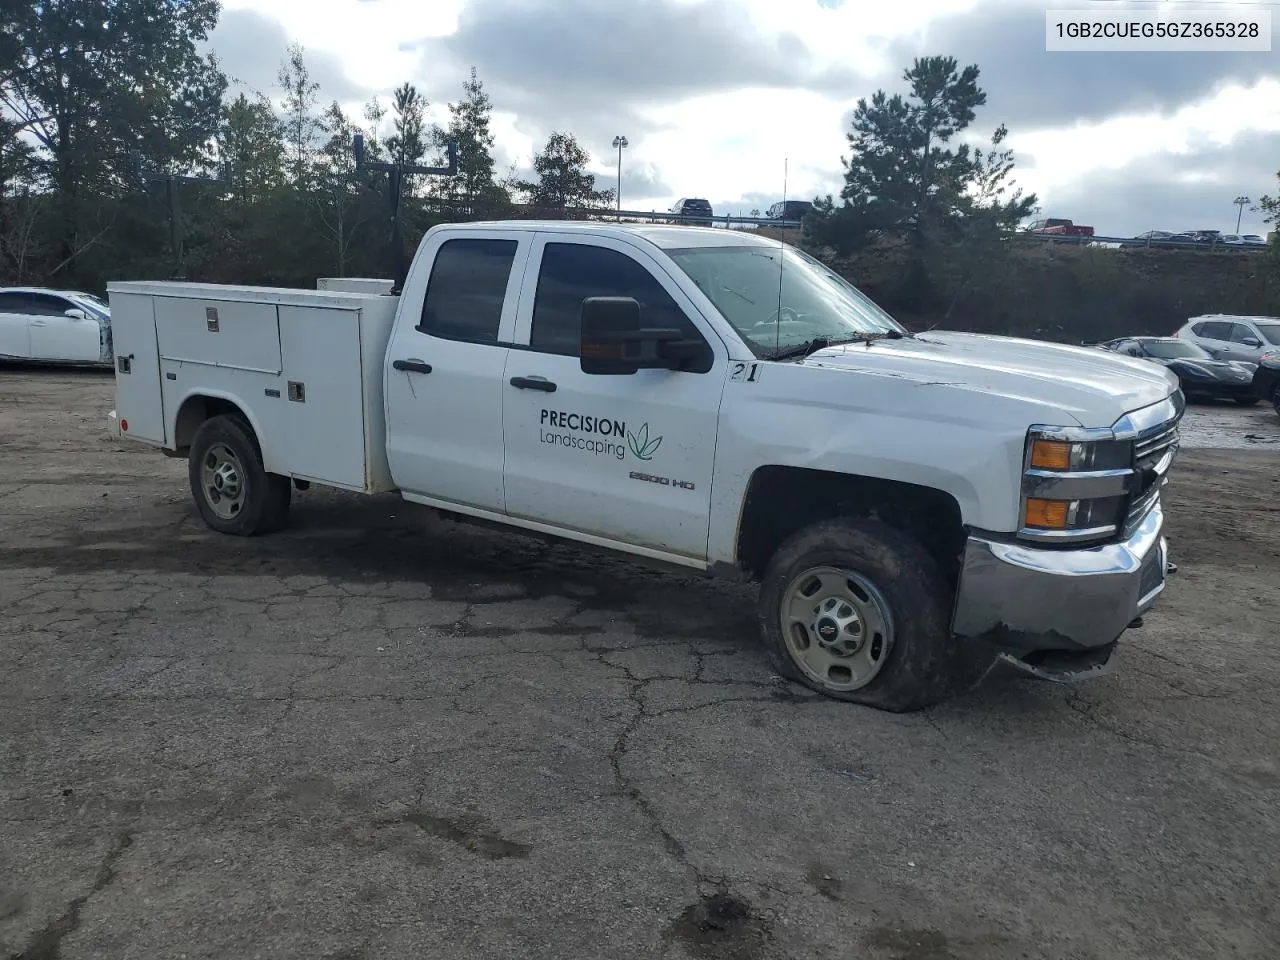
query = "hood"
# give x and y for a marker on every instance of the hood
(1218, 369)
(1095, 387)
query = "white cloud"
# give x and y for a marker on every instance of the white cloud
(368, 36)
(733, 144)
(1065, 157)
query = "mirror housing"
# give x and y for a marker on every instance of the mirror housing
(611, 340)
(75, 313)
(1251, 342)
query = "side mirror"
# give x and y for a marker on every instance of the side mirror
(1251, 342)
(613, 342)
(75, 313)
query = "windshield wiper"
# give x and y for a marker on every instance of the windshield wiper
(821, 343)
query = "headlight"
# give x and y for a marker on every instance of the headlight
(1083, 486)
(1075, 485)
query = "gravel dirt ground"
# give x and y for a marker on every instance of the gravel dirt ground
(378, 734)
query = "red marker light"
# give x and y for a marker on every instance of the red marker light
(124, 425)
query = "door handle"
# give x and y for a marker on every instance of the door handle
(411, 366)
(533, 383)
(39, 323)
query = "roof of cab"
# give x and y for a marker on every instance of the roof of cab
(663, 235)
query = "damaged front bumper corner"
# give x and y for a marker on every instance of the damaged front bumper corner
(1056, 614)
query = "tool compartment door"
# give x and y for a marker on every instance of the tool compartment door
(139, 403)
(242, 335)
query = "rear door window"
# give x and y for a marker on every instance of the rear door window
(1214, 330)
(467, 289)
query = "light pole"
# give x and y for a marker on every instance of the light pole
(620, 142)
(1240, 202)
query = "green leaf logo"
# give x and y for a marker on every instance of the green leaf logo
(642, 448)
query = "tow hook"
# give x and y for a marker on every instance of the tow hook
(1170, 568)
(1134, 624)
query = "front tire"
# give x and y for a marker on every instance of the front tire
(1275, 399)
(233, 492)
(859, 611)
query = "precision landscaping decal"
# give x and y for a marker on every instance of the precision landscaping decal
(603, 436)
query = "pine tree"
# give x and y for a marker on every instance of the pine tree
(250, 143)
(408, 144)
(563, 179)
(301, 125)
(469, 129)
(904, 176)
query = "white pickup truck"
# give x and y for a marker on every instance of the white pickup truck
(915, 507)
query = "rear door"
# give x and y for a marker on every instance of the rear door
(1214, 336)
(55, 336)
(15, 326)
(445, 363)
(139, 399)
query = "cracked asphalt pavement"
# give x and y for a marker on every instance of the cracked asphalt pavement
(380, 734)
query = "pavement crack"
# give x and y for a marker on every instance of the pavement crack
(47, 943)
(635, 694)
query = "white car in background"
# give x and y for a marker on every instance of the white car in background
(54, 326)
(1230, 337)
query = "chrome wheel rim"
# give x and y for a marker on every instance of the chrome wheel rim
(222, 479)
(837, 626)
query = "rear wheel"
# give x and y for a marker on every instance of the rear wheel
(859, 611)
(232, 490)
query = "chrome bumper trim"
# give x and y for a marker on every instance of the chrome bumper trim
(1026, 599)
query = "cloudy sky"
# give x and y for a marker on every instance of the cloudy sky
(719, 97)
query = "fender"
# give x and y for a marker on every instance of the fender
(171, 427)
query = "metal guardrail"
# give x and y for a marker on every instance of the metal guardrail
(728, 220)
(1133, 242)
(654, 216)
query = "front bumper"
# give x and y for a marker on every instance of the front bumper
(1056, 614)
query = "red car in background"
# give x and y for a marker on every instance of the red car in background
(1059, 226)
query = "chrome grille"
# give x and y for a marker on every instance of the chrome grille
(1153, 446)
(1152, 454)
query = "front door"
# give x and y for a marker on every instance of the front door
(625, 457)
(444, 384)
(1239, 350)
(55, 336)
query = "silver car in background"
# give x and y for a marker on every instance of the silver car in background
(1230, 337)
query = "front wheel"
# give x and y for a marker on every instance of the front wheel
(859, 611)
(1275, 399)
(232, 490)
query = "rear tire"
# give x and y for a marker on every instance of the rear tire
(859, 611)
(233, 492)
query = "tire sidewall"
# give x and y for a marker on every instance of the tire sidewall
(237, 437)
(921, 665)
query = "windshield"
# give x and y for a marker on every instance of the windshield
(1168, 350)
(1270, 332)
(93, 304)
(816, 303)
